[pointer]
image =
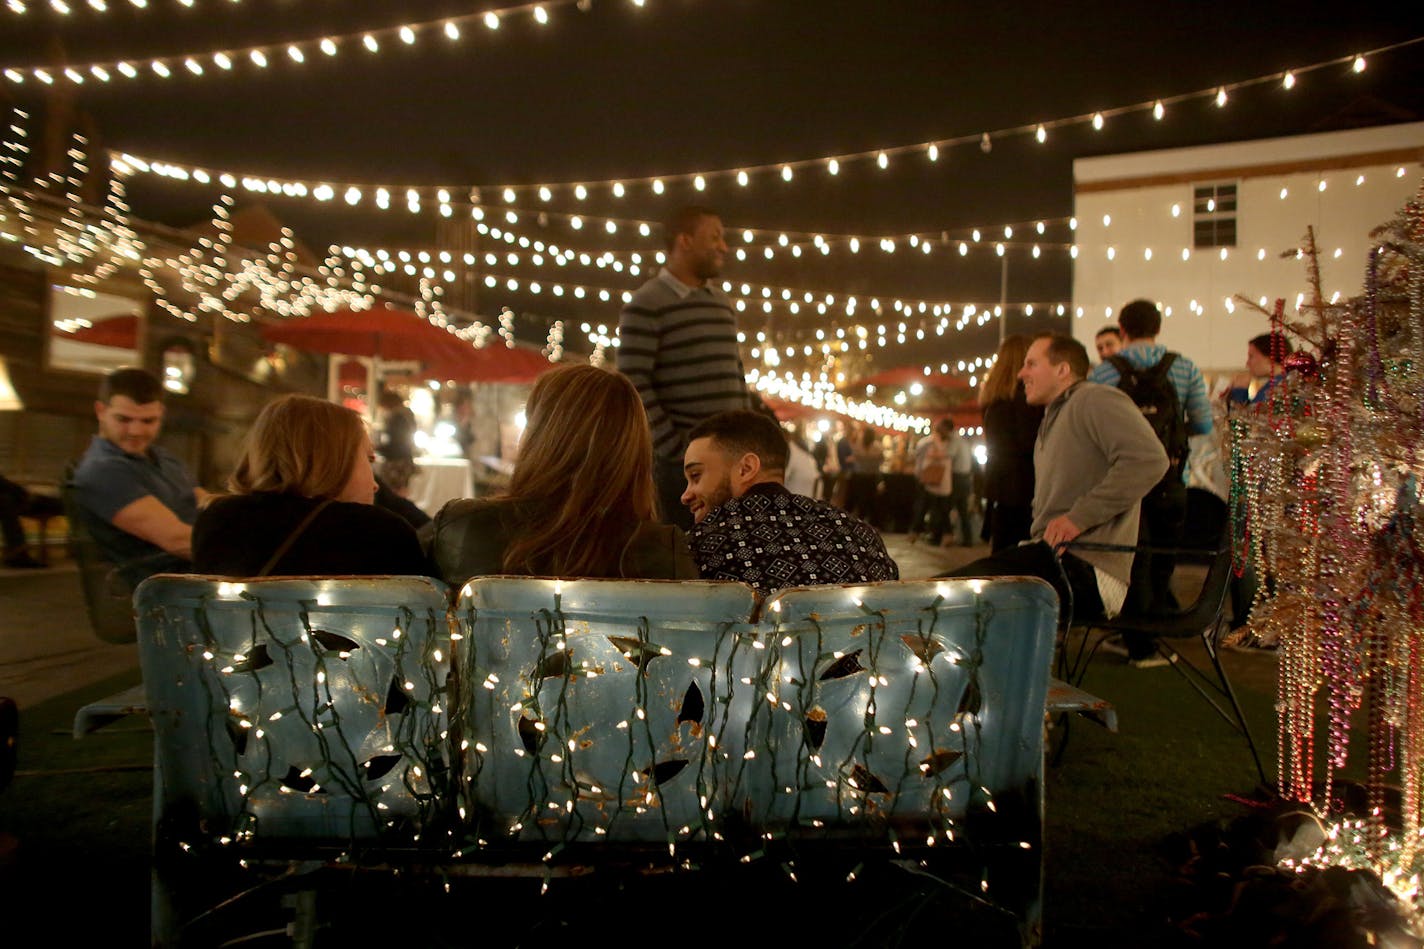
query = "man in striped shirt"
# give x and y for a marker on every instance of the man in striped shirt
(678, 345)
(1164, 510)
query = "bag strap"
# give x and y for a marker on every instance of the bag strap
(1163, 366)
(292, 538)
(1126, 371)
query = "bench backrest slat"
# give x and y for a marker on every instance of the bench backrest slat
(310, 709)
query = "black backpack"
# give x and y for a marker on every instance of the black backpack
(1155, 395)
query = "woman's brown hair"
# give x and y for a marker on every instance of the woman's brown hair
(585, 470)
(300, 445)
(1004, 377)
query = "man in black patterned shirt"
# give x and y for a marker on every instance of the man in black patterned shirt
(750, 528)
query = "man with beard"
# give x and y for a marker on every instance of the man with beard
(678, 345)
(750, 528)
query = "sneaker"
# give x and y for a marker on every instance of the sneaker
(914, 537)
(1154, 661)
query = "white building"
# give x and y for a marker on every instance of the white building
(1190, 228)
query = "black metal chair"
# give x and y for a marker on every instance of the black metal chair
(1202, 619)
(107, 598)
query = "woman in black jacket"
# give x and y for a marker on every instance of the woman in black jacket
(301, 502)
(1010, 427)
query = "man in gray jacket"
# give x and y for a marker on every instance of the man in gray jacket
(1094, 459)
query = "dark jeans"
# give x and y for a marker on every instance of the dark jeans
(937, 507)
(13, 502)
(1075, 583)
(1008, 524)
(861, 497)
(671, 483)
(1162, 524)
(959, 500)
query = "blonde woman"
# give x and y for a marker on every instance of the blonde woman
(301, 502)
(1010, 427)
(581, 502)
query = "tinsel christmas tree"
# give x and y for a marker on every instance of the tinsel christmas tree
(1327, 474)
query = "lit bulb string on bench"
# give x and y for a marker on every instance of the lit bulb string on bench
(793, 664)
(247, 740)
(784, 171)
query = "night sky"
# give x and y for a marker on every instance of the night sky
(618, 92)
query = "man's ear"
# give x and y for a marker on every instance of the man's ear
(747, 468)
(99, 408)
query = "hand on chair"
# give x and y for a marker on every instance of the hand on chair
(1060, 531)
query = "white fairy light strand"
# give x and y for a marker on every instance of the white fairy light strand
(294, 53)
(831, 164)
(68, 7)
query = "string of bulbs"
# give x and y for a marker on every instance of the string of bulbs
(261, 56)
(355, 192)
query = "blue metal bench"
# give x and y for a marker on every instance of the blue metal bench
(291, 716)
(541, 726)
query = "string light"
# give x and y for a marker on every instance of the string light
(296, 51)
(881, 155)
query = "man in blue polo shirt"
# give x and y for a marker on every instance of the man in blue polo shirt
(140, 500)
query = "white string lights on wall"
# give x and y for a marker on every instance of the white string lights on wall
(828, 166)
(447, 29)
(1099, 243)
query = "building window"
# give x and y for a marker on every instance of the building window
(1214, 216)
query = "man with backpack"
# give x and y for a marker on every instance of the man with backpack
(1169, 390)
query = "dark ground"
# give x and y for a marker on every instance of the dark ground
(78, 812)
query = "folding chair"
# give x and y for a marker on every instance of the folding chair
(1202, 618)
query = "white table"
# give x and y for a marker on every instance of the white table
(439, 480)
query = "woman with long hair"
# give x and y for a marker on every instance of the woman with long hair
(302, 502)
(1010, 427)
(581, 501)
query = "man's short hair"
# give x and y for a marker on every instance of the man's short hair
(1273, 346)
(1106, 330)
(1067, 349)
(945, 425)
(134, 383)
(1140, 319)
(684, 221)
(741, 431)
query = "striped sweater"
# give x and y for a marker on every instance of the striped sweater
(678, 346)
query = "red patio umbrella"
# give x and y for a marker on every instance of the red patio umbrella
(385, 333)
(118, 331)
(496, 362)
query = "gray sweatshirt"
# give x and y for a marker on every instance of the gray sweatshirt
(1094, 459)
